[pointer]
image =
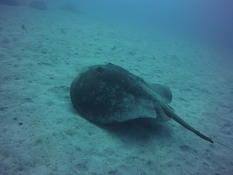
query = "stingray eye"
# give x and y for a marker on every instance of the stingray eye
(99, 69)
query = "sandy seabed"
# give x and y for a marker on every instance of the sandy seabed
(41, 52)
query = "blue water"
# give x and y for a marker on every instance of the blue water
(209, 21)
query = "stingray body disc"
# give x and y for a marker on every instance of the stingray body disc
(109, 93)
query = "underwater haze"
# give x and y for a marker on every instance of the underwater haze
(184, 45)
(210, 21)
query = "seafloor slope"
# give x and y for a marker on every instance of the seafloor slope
(40, 134)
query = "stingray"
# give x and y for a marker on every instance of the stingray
(108, 93)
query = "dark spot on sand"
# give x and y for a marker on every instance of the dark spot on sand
(113, 48)
(205, 164)
(70, 132)
(44, 51)
(4, 108)
(38, 142)
(78, 149)
(20, 168)
(184, 147)
(188, 148)
(23, 27)
(132, 53)
(44, 64)
(5, 41)
(113, 172)
(28, 100)
(20, 123)
(149, 162)
(62, 30)
(82, 166)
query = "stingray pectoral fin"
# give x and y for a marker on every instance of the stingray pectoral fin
(172, 115)
(163, 91)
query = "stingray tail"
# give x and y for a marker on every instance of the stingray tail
(172, 115)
